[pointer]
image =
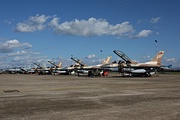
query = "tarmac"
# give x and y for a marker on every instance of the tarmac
(69, 97)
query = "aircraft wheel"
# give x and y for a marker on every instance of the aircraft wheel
(147, 74)
(131, 74)
(144, 75)
(90, 74)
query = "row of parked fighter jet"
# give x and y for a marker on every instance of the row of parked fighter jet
(125, 66)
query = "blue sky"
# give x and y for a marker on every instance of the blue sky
(41, 30)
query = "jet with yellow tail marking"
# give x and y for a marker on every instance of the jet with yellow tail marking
(86, 69)
(128, 66)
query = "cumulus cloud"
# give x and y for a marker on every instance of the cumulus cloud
(54, 22)
(18, 53)
(91, 27)
(21, 53)
(10, 45)
(34, 23)
(155, 20)
(23, 59)
(143, 33)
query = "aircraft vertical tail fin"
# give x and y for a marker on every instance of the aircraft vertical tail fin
(158, 57)
(60, 65)
(107, 60)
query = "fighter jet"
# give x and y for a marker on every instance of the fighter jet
(79, 65)
(59, 66)
(132, 68)
(93, 69)
(42, 70)
(55, 68)
(58, 70)
(14, 70)
(2, 71)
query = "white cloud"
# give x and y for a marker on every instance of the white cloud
(54, 22)
(157, 33)
(21, 56)
(21, 53)
(91, 27)
(38, 19)
(143, 33)
(34, 23)
(146, 57)
(91, 56)
(24, 60)
(155, 20)
(10, 45)
(18, 53)
(28, 27)
(8, 22)
(170, 60)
